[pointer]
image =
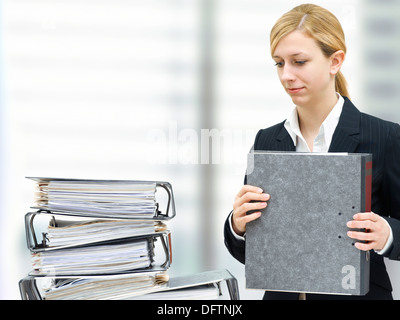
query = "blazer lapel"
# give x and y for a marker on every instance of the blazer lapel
(347, 133)
(284, 142)
(345, 138)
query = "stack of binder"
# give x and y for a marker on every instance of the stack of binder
(107, 239)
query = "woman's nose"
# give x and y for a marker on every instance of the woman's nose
(287, 74)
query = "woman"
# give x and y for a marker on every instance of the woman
(308, 47)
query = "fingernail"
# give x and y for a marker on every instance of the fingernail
(266, 196)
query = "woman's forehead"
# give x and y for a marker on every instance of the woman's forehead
(294, 44)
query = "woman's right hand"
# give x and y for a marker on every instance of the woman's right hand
(243, 204)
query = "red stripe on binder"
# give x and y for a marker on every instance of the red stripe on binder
(368, 186)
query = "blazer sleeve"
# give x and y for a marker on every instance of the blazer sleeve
(236, 247)
(391, 189)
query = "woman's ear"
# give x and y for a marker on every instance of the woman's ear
(337, 60)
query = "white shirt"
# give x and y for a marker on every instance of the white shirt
(323, 139)
(322, 143)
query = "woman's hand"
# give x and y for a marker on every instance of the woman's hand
(243, 204)
(376, 231)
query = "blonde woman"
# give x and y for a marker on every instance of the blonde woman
(308, 48)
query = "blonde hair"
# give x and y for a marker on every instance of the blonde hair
(320, 24)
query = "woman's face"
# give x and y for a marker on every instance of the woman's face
(304, 71)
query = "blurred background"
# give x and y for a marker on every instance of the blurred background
(170, 90)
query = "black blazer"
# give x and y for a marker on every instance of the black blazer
(356, 133)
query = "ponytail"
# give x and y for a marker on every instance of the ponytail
(341, 85)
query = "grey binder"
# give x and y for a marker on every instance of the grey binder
(300, 242)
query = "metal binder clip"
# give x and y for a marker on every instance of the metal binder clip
(170, 209)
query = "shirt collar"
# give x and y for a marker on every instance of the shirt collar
(327, 128)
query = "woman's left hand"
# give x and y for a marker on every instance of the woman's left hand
(376, 231)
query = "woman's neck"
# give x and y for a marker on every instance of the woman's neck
(312, 116)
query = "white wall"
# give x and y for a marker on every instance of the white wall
(127, 89)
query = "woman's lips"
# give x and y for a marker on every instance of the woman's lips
(294, 90)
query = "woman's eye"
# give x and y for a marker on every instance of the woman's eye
(298, 62)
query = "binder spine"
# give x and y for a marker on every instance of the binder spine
(365, 207)
(368, 185)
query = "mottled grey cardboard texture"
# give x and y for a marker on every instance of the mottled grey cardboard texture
(300, 242)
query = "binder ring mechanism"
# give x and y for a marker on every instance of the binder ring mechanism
(170, 209)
